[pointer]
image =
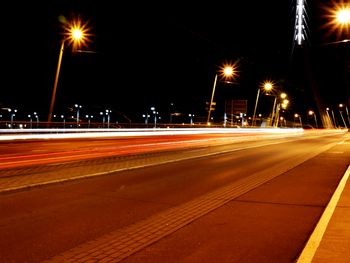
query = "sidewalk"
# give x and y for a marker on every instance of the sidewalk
(330, 241)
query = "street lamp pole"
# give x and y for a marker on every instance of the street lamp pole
(228, 71)
(347, 113)
(108, 113)
(78, 108)
(56, 81)
(267, 87)
(212, 98)
(341, 114)
(273, 113)
(77, 35)
(256, 104)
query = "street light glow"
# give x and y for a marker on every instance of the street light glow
(338, 16)
(77, 33)
(343, 16)
(229, 70)
(268, 86)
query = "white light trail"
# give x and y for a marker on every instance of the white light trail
(22, 134)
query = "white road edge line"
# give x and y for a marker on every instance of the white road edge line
(316, 237)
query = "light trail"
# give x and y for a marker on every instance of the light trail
(20, 134)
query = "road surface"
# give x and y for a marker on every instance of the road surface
(254, 200)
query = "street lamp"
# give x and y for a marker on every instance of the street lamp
(30, 121)
(297, 116)
(276, 108)
(227, 71)
(267, 87)
(313, 113)
(12, 114)
(341, 113)
(332, 121)
(153, 109)
(191, 118)
(78, 110)
(103, 119)
(64, 121)
(108, 113)
(37, 119)
(76, 34)
(146, 116)
(89, 117)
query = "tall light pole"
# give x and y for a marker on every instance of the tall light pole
(341, 114)
(30, 121)
(211, 104)
(329, 117)
(297, 116)
(153, 109)
(227, 71)
(64, 121)
(12, 114)
(56, 81)
(76, 34)
(277, 107)
(89, 117)
(315, 118)
(347, 112)
(267, 86)
(191, 118)
(78, 111)
(108, 113)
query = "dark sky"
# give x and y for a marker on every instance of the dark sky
(144, 55)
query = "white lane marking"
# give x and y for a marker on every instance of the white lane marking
(316, 237)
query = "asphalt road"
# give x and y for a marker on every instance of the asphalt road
(251, 201)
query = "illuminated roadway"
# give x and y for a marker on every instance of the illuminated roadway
(167, 198)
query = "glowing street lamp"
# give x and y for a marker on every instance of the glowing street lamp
(12, 114)
(341, 113)
(75, 34)
(228, 71)
(276, 108)
(313, 113)
(334, 124)
(338, 16)
(191, 118)
(89, 117)
(146, 116)
(30, 121)
(267, 87)
(108, 113)
(153, 109)
(78, 111)
(64, 121)
(297, 116)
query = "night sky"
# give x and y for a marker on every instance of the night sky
(144, 55)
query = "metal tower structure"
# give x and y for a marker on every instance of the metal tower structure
(300, 22)
(302, 41)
